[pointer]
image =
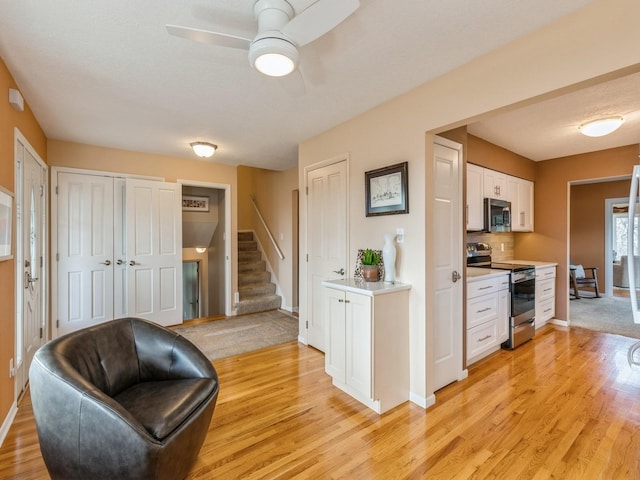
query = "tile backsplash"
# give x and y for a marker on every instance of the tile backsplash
(501, 244)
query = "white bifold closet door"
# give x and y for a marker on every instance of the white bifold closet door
(119, 250)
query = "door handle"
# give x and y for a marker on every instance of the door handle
(107, 262)
(132, 263)
(455, 276)
(119, 262)
(339, 272)
(28, 280)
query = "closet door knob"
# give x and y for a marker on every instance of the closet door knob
(132, 263)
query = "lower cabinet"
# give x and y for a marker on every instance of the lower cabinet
(545, 294)
(367, 341)
(488, 310)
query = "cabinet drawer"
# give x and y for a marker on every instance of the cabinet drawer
(545, 289)
(481, 338)
(482, 309)
(545, 273)
(545, 309)
(483, 287)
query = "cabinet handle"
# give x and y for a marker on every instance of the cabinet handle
(485, 288)
(347, 301)
(547, 310)
(548, 289)
(340, 300)
(483, 310)
(484, 338)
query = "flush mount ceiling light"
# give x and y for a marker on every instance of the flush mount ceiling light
(601, 126)
(201, 249)
(203, 149)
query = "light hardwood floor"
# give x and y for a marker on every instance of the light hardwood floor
(565, 406)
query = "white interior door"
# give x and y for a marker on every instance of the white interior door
(154, 249)
(85, 227)
(326, 241)
(448, 243)
(31, 220)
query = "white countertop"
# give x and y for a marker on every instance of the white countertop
(534, 263)
(357, 285)
(477, 273)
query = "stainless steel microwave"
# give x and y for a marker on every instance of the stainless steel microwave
(497, 215)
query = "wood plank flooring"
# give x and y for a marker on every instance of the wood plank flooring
(565, 406)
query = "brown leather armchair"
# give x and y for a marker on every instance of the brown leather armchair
(127, 399)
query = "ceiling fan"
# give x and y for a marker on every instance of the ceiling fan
(274, 50)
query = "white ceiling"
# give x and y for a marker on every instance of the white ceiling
(549, 129)
(108, 74)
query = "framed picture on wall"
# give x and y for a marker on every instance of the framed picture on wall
(386, 190)
(6, 219)
(193, 203)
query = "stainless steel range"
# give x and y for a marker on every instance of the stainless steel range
(522, 287)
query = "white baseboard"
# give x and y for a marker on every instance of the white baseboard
(6, 425)
(424, 402)
(557, 321)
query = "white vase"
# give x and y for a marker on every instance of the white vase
(389, 258)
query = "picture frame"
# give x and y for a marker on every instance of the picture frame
(6, 223)
(386, 190)
(195, 203)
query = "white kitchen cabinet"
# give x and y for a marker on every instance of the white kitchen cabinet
(487, 314)
(521, 198)
(545, 294)
(367, 341)
(495, 184)
(475, 198)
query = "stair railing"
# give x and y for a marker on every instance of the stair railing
(266, 227)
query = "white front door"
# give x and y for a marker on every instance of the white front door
(154, 250)
(447, 340)
(85, 250)
(326, 241)
(31, 271)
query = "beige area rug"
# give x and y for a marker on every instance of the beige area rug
(235, 335)
(605, 314)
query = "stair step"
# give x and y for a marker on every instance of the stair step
(249, 256)
(247, 278)
(258, 304)
(245, 236)
(244, 267)
(247, 246)
(256, 290)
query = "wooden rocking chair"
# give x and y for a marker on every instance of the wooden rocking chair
(578, 277)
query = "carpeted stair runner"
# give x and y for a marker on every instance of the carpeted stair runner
(256, 292)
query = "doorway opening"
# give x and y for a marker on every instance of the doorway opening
(190, 290)
(206, 219)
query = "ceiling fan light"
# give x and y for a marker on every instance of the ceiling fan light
(273, 56)
(601, 126)
(203, 149)
(274, 64)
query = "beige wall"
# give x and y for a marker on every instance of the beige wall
(552, 59)
(29, 127)
(273, 193)
(76, 155)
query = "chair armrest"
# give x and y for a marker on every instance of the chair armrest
(164, 354)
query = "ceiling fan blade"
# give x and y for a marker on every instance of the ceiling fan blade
(211, 38)
(318, 19)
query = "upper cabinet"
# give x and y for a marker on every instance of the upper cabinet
(495, 184)
(475, 196)
(485, 183)
(521, 198)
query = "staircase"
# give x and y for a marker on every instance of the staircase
(256, 292)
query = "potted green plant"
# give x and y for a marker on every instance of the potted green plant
(370, 269)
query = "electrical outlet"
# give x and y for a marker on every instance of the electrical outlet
(502, 247)
(400, 235)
